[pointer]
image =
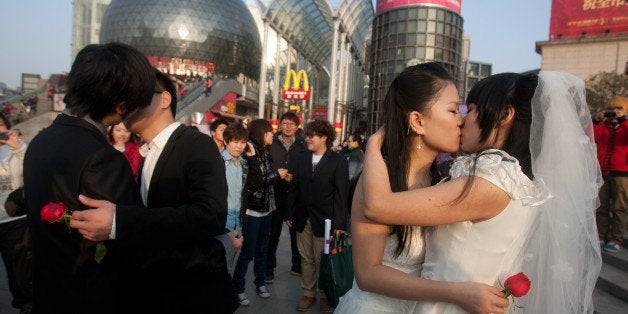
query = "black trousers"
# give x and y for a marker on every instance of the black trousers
(276, 225)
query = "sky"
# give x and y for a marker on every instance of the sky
(36, 35)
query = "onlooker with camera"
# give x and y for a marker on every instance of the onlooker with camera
(13, 224)
(611, 137)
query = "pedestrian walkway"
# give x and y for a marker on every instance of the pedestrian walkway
(285, 290)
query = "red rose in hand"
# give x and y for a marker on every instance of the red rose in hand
(517, 285)
(54, 212)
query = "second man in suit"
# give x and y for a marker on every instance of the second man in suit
(172, 262)
(319, 191)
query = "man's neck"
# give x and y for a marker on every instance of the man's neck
(321, 151)
(287, 139)
(149, 133)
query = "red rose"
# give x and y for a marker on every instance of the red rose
(53, 212)
(517, 285)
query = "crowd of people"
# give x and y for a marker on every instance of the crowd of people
(158, 217)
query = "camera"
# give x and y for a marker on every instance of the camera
(610, 114)
(4, 136)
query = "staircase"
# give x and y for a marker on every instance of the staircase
(611, 291)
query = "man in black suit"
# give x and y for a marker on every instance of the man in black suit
(286, 148)
(319, 191)
(72, 157)
(171, 261)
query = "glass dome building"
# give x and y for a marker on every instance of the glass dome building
(192, 37)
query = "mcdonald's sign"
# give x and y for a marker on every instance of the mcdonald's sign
(296, 92)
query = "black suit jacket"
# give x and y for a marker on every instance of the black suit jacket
(174, 263)
(320, 194)
(69, 158)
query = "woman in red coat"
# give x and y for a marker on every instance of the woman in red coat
(128, 144)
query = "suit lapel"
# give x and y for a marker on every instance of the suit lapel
(322, 162)
(162, 162)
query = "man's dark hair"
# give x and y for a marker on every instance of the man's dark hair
(214, 125)
(165, 83)
(321, 128)
(235, 132)
(106, 76)
(290, 116)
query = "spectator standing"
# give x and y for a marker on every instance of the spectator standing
(216, 128)
(12, 227)
(285, 150)
(319, 191)
(260, 204)
(128, 144)
(236, 168)
(611, 137)
(356, 155)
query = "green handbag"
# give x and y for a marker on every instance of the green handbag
(336, 273)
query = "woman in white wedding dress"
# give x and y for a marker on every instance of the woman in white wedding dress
(523, 201)
(422, 121)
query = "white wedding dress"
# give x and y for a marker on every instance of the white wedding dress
(409, 261)
(486, 251)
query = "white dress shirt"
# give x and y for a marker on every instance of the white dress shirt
(155, 147)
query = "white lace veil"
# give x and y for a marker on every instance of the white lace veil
(562, 255)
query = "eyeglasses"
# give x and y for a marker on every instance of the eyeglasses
(290, 124)
(158, 92)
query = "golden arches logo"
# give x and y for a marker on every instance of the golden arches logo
(296, 92)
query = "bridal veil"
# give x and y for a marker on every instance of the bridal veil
(562, 254)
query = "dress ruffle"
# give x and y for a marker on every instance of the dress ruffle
(503, 170)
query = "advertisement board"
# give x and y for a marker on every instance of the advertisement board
(588, 17)
(385, 5)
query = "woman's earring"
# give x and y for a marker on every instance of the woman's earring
(418, 147)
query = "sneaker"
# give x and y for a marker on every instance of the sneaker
(270, 277)
(263, 292)
(612, 247)
(305, 303)
(243, 300)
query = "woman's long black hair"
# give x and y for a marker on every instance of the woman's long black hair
(414, 89)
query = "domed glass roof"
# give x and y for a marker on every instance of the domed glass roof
(222, 32)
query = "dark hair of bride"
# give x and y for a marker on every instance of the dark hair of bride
(492, 97)
(414, 89)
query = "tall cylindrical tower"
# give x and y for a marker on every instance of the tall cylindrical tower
(408, 32)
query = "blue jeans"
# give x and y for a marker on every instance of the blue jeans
(256, 233)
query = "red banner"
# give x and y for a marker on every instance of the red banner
(385, 5)
(588, 17)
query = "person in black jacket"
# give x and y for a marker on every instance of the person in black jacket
(260, 204)
(173, 249)
(71, 157)
(318, 191)
(287, 146)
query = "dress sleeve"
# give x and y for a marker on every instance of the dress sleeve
(504, 171)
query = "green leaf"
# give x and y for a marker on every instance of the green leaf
(101, 251)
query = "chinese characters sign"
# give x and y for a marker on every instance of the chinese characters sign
(588, 17)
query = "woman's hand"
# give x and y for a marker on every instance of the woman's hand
(477, 297)
(251, 150)
(376, 140)
(12, 140)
